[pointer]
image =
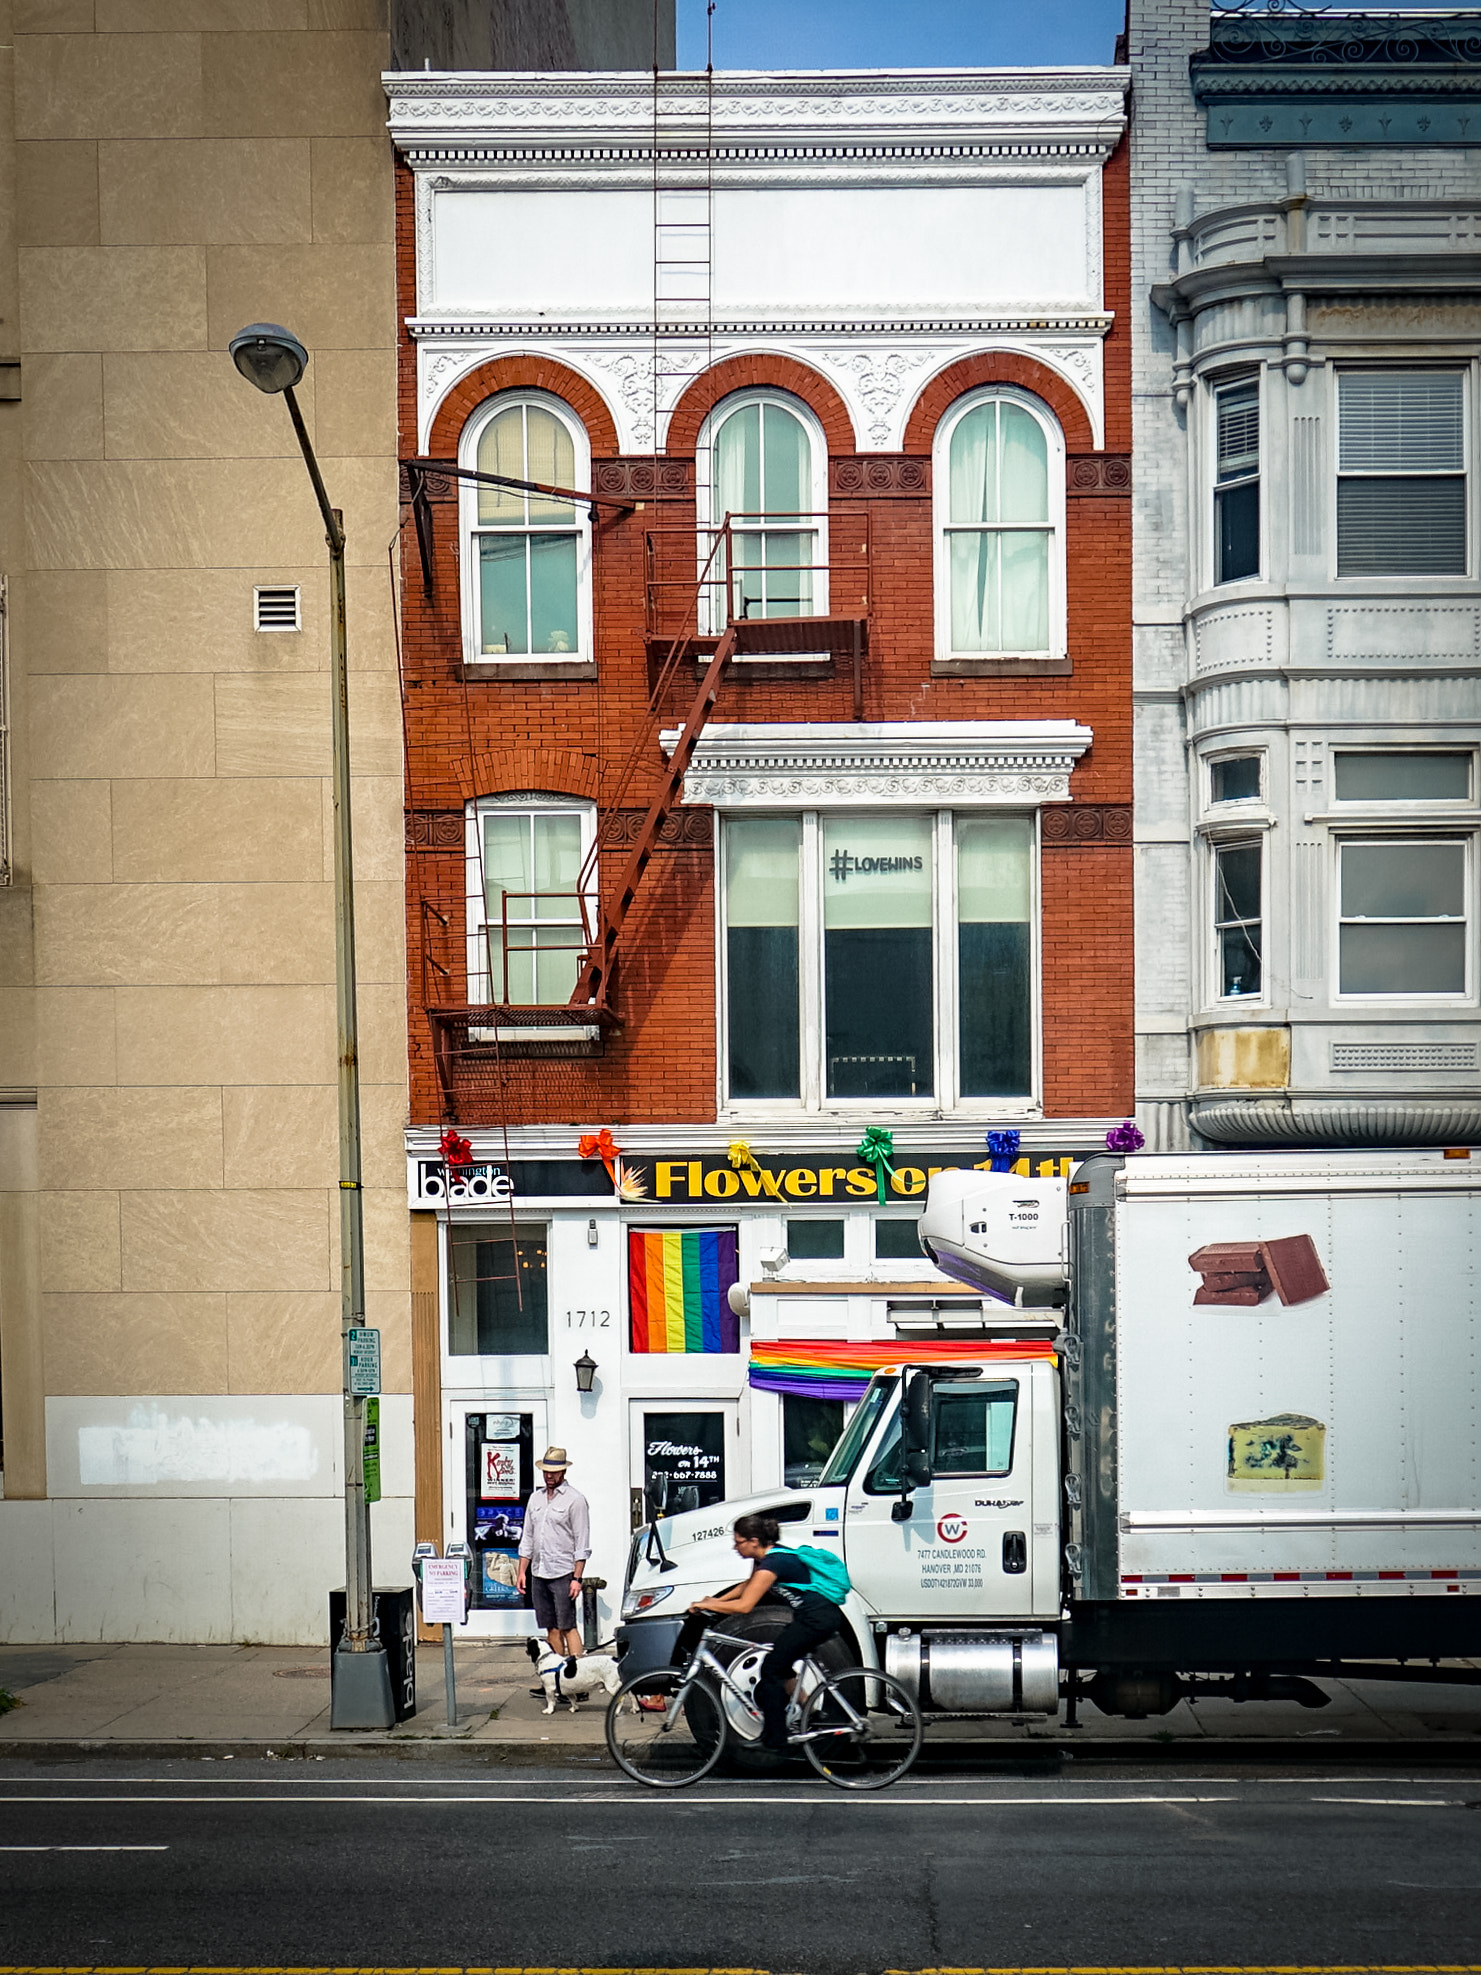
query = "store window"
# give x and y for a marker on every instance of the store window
(531, 899)
(999, 479)
(811, 1429)
(897, 1240)
(767, 471)
(815, 1241)
(1403, 917)
(497, 1293)
(527, 562)
(1401, 473)
(1237, 481)
(915, 915)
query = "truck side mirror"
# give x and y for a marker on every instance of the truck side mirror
(915, 1430)
(919, 1470)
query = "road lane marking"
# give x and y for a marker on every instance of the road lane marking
(84, 1848)
(677, 1797)
(1041, 1968)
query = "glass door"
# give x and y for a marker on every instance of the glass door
(685, 1455)
(490, 1475)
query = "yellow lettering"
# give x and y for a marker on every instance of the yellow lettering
(664, 1170)
(722, 1184)
(761, 1181)
(860, 1180)
(908, 1180)
(696, 1179)
(802, 1183)
(1020, 1166)
(826, 1177)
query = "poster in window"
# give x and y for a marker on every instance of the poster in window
(499, 1480)
(683, 1461)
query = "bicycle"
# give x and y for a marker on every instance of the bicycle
(669, 1727)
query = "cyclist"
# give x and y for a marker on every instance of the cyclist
(814, 1617)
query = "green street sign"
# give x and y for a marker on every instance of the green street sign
(371, 1453)
(364, 1363)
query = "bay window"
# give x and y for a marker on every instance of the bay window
(1401, 473)
(1237, 481)
(1238, 918)
(1403, 916)
(878, 957)
(527, 556)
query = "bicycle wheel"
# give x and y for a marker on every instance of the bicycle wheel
(657, 1737)
(861, 1730)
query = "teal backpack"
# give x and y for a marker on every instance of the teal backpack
(829, 1574)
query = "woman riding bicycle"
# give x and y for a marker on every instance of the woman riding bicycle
(814, 1617)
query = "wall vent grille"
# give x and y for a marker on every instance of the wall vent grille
(1403, 1055)
(276, 608)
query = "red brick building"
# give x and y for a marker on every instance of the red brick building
(765, 585)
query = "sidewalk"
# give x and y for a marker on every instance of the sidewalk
(144, 1700)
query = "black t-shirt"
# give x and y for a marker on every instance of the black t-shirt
(794, 1586)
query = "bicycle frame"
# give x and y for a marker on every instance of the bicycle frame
(703, 1660)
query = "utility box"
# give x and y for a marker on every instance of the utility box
(393, 1618)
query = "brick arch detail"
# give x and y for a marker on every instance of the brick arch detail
(553, 771)
(761, 372)
(998, 367)
(521, 374)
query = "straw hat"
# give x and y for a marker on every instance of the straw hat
(554, 1460)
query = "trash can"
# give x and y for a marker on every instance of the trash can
(393, 1618)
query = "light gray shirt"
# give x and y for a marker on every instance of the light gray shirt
(557, 1530)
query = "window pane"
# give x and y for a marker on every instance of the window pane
(553, 593)
(815, 1241)
(1403, 880)
(1024, 477)
(502, 596)
(1237, 532)
(786, 486)
(787, 592)
(994, 907)
(501, 449)
(555, 960)
(877, 915)
(1239, 431)
(810, 1431)
(1413, 959)
(761, 903)
(1239, 960)
(1388, 777)
(897, 1241)
(1237, 883)
(877, 871)
(551, 458)
(1236, 780)
(738, 464)
(973, 465)
(974, 592)
(1399, 526)
(974, 1430)
(557, 865)
(1401, 419)
(506, 857)
(1024, 562)
(498, 1301)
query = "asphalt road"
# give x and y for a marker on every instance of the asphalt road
(288, 1865)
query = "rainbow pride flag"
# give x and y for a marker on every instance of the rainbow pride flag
(812, 1370)
(676, 1284)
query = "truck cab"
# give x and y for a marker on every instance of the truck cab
(943, 1498)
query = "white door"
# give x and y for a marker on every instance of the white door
(965, 1550)
(488, 1475)
(684, 1454)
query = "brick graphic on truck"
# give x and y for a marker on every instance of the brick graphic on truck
(1279, 1456)
(1244, 1273)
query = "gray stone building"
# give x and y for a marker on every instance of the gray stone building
(1306, 242)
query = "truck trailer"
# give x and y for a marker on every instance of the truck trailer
(1215, 1434)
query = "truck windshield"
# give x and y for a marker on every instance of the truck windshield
(845, 1457)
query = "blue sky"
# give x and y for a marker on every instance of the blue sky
(886, 34)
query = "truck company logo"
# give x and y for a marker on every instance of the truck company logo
(952, 1529)
(1001, 1503)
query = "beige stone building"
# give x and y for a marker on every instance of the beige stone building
(169, 1314)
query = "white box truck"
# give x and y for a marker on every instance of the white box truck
(1217, 1433)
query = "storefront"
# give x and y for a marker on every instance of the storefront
(696, 1395)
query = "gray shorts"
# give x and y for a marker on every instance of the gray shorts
(555, 1608)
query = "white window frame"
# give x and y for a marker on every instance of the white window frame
(942, 525)
(1230, 807)
(1400, 579)
(706, 517)
(1376, 833)
(517, 1375)
(480, 984)
(1439, 806)
(470, 528)
(946, 1098)
(1241, 830)
(1235, 381)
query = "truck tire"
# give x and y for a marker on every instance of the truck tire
(743, 1756)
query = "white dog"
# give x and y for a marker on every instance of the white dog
(593, 1671)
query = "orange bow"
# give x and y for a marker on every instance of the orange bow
(600, 1145)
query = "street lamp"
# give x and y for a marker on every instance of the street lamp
(273, 359)
(586, 1370)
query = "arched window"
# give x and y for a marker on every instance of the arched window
(999, 479)
(763, 461)
(527, 564)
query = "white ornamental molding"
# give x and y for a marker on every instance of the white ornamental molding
(970, 764)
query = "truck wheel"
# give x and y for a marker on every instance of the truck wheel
(743, 1752)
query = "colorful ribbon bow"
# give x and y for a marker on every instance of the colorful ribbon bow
(1124, 1138)
(876, 1148)
(741, 1156)
(600, 1145)
(1004, 1149)
(456, 1152)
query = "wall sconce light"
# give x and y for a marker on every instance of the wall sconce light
(591, 1233)
(586, 1371)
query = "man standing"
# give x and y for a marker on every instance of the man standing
(553, 1552)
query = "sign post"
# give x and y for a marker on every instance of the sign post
(444, 1582)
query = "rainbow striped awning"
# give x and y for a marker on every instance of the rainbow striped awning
(812, 1370)
(676, 1284)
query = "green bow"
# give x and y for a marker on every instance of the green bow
(876, 1149)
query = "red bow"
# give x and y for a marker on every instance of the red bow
(456, 1152)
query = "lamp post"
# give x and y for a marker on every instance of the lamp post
(273, 359)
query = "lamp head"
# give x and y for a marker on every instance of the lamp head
(586, 1371)
(269, 356)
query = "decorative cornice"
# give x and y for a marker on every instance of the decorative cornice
(838, 765)
(1022, 322)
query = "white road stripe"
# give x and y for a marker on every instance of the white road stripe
(84, 1848)
(679, 1798)
(1407, 1803)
